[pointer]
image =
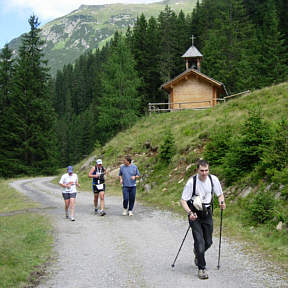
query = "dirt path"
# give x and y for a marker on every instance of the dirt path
(121, 251)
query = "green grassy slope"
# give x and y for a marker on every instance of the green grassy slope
(191, 130)
(26, 239)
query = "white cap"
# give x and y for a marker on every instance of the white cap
(98, 161)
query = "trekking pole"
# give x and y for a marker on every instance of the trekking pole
(173, 265)
(218, 266)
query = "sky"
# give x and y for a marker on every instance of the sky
(14, 14)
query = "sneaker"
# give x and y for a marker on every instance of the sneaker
(124, 212)
(72, 219)
(102, 213)
(96, 210)
(130, 213)
(67, 216)
(202, 274)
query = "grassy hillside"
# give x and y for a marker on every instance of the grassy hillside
(191, 130)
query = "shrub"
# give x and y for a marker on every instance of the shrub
(275, 155)
(168, 148)
(281, 177)
(246, 149)
(218, 145)
(261, 209)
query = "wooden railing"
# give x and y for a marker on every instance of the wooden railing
(236, 95)
(178, 106)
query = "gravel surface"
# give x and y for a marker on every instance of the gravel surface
(122, 251)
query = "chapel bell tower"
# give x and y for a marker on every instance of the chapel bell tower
(192, 57)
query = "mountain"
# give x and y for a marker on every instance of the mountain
(90, 26)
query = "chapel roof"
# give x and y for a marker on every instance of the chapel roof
(168, 85)
(192, 52)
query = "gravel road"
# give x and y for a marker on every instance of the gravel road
(131, 252)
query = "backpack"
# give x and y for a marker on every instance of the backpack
(204, 212)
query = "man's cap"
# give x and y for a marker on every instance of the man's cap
(98, 161)
(69, 169)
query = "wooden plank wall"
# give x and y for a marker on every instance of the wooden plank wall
(194, 89)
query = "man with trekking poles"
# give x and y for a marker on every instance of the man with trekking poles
(197, 201)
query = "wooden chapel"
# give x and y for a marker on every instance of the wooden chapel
(192, 89)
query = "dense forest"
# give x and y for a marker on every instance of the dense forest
(47, 123)
(28, 142)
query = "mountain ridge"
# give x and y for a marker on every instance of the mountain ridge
(90, 26)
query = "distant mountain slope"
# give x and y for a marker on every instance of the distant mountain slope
(90, 26)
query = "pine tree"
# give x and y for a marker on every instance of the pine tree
(183, 41)
(282, 11)
(229, 50)
(168, 44)
(152, 79)
(195, 25)
(140, 48)
(139, 42)
(119, 103)
(29, 121)
(272, 63)
(6, 76)
(144, 43)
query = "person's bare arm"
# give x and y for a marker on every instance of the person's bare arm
(90, 175)
(192, 215)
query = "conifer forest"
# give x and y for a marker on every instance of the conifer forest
(49, 122)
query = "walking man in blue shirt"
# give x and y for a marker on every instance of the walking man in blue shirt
(128, 174)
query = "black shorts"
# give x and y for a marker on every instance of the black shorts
(67, 196)
(96, 189)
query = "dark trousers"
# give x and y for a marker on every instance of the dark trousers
(202, 229)
(129, 194)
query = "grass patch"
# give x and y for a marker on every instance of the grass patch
(261, 239)
(25, 240)
(12, 200)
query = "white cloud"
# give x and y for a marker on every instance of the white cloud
(49, 9)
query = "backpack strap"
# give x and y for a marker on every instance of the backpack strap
(212, 184)
(194, 185)
(212, 193)
(212, 188)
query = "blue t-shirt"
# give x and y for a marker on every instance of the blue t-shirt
(127, 172)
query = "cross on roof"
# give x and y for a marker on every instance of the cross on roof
(193, 37)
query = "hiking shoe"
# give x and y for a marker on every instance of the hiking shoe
(202, 274)
(130, 213)
(102, 213)
(72, 219)
(124, 212)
